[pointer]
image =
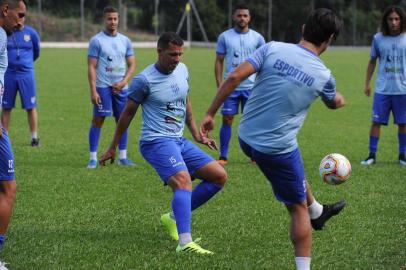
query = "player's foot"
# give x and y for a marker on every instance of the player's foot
(371, 159)
(329, 210)
(193, 247)
(3, 266)
(402, 159)
(222, 161)
(126, 162)
(92, 164)
(170, 225)
(34, 143)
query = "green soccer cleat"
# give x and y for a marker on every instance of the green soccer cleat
(170, 225)
(193, 247)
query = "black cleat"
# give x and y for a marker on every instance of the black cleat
(329, 210)
(35, 142)
(371, 159)
(402, 159)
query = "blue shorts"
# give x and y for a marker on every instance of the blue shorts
(111, 104)
(6, 158)
(25, 84)
(285, 172)
(169, 156)
(384, 104)
(232, 103)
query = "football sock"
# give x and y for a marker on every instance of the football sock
(302, 263)
(94, 135)
(225, 136)
(185, 238)
(373, 144)
(203, 192)
(122, 154)
(315, 209)
(93, 155)
(34, 135)
(181, 206)
(123, 141)
(402, 143)
(2, 240)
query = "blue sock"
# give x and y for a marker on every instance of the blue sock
(2, 240)
(373, 144)
(203, 192)
(402, 143)
(225, 136)
(94, 136)
(181, 207)
(123, 141)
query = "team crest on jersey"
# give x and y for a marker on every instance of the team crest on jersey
(175, 88)
(27, 38)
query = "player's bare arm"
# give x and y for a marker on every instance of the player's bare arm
(191, 124)
(218, 69)
(126, 117)
(91, 76)
(368, 77)
(117, 87)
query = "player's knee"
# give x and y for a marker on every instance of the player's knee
(228, 120)
(9, 189)
(221, 176)
(97, 122)
(180, 180)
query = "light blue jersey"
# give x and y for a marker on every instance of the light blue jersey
(289, 79)
(111, 53)
(163, 99)
(237, 47)
(391, 51)
(3, 60)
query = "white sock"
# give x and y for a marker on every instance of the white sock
(185, 238)
(122, 154)
(302, 263)
(315, 209)
(93, 155)
(34, 135)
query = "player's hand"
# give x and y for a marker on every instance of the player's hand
(110, 154)
(206, 126)
(209, 143)
(96, 100)
(367, 90)
(118, 86)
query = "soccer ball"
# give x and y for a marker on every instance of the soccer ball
(335, 169)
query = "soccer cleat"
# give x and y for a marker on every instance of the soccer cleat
(222, 161)
(126, 162)
(193, 247)
(371, 159)
(329, 210)
(3, 266)
(92, 164)
(402, 159)
(35, 142)
(170, 225)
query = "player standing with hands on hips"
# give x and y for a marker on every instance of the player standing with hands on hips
(290, 77)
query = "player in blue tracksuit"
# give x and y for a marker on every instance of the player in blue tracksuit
(389, 45)
(162, 91)
(235, 46)
(290, 77)
(9, 21)
(111, 63)
(23, 48)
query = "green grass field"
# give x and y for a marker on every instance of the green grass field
(69, 217)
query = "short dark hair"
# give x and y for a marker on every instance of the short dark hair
(169, 37)
(240, 6)
(109, 9)
(12, 3)
(320, 25)
(384, 24)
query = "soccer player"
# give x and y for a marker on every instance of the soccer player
(23, 48)
(389, 45)
(111, 63)
(162, 91)
(290, 77)
(12, 13)
(235, 46)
